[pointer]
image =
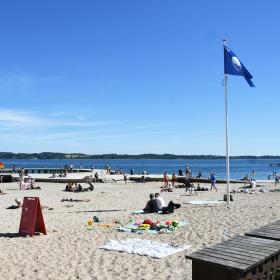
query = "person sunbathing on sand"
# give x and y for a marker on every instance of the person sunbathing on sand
(152, 205)
(170, 207)
(69, 187)
(80, 188)
(18, 205)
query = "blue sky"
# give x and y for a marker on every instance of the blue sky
(135, 77)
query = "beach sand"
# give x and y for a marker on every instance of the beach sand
(70, 250)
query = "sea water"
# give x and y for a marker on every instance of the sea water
(238, 167)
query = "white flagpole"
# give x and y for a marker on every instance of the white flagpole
(227, 142)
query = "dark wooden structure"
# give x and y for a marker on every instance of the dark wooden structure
(241, 258)
(43, 170)
(6, 178)
(271, 231)
(179, 179)
(67, 180)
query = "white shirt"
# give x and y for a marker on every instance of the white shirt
(161, 202)
(253, 184)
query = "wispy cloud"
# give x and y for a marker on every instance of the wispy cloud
(26, 127)
(16, 118)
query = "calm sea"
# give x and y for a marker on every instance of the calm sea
(238, 168)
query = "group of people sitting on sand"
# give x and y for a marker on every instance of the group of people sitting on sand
(28, 184)
(75, 187)
(156, 204)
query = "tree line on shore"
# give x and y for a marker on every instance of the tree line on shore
(51, 155)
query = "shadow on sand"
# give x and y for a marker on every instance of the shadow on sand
(10, 235)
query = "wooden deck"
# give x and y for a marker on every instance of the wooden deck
(271, 231)
(238, 258)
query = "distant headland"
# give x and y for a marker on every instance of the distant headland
(50, 155)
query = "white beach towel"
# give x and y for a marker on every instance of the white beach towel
(144, 247)
(205, 202)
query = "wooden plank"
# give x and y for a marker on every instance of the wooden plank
(266, 231)
(251, 262)
(264, 235)
(234, 257)
(218, 261)
(272, 227)
(232, 247)
(261, 247)
(242, 251)
(227, 258)
(258, 241)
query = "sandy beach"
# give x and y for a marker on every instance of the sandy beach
(70, 250)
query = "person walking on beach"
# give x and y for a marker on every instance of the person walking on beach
(166, 179)
(187, 183)
(213, 181)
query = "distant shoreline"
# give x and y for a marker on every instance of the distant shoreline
(65, 156)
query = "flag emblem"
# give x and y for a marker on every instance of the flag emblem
(236, 63)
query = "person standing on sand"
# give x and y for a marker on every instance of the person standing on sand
(166, 179)
(213, 181)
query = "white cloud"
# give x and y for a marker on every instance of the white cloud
(15, 118)
(18, 117)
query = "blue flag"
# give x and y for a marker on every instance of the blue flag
(233, 66)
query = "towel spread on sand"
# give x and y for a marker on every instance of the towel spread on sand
(144, 247)
(132, 227)
(205, 202)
